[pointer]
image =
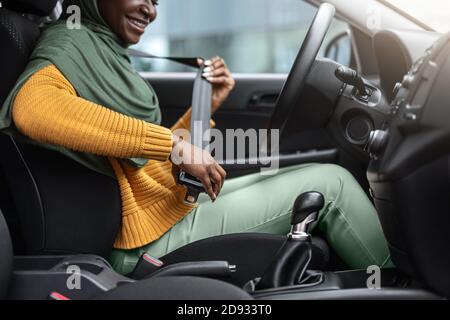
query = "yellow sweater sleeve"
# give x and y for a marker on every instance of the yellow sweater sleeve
(48, 110)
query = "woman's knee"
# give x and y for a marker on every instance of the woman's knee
(329, 179)
(336, 171)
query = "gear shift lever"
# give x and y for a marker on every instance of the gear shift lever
(293, 258)
(305, 211)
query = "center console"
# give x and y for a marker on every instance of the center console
(351, 285)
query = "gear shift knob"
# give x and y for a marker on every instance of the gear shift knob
(305, 211)
(305, 205)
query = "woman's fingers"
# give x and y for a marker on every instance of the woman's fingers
(214, 182)
(200, 164)
(222, 173)
(207, 72)
(216, 188)
(217, 80)
(215, 62)
(217, 180)
(217, 73)
(217, 77)
(218, 62)
(207, 184)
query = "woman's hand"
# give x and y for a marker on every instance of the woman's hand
(219, 75)
(200, 164)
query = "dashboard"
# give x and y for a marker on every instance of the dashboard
(396, 51)
(409, 174)
(399, 54)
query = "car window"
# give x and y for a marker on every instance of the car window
(253, 36)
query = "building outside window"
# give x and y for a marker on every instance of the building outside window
(253, 36)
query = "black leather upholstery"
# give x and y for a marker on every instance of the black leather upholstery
(61, 206)
(17, 38)
(250, 252)
(176, 288)
(5, 257)
(40, 7)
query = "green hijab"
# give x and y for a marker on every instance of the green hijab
(96, 63)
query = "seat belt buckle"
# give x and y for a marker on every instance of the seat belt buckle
(145, 267)
(194, 187)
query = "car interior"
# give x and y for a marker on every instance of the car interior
(387, 123)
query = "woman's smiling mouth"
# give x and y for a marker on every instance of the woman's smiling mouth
(138, 24)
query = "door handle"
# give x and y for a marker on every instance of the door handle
(263, 101)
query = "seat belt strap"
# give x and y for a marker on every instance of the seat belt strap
(200, 118)
(190, 62)
(201, 111)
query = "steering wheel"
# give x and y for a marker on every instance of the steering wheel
(296, 80)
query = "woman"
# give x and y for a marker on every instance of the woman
(80, 95)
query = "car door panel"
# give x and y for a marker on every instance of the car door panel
(250, 104)
(238, 168)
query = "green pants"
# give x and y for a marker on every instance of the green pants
(263, 203)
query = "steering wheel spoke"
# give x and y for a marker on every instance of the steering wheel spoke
(296, 80)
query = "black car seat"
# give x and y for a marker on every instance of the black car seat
(53, 205)
(49, 200)
(6, 258)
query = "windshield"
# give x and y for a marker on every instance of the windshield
(434, 13)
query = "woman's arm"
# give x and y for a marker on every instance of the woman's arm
(223, 83)
(48, 110)
(184, 122)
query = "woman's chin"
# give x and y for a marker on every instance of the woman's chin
(134, 41)
(131, 39)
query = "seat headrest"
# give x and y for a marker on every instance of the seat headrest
(41, 8)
